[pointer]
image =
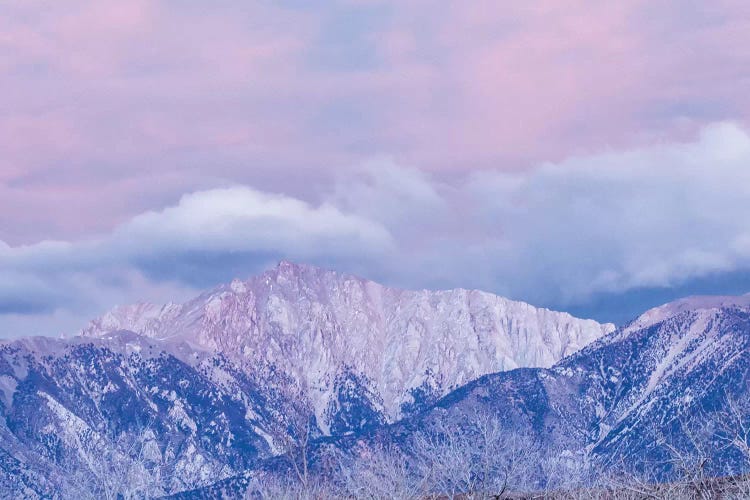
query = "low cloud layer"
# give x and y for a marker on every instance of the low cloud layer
(560, 234)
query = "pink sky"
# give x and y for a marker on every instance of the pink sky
(110, 108)
(553, 151)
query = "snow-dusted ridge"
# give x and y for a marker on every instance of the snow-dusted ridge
(215, 378)
(316, 324)
(691, 303)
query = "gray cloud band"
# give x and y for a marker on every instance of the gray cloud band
(559, 233)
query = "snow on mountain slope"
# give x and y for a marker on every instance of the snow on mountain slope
(692, 303)
(65, 403)
(627, 399)
(319, 327)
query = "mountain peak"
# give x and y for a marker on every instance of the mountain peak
(316, 324)
(691, 303)
(238, 286)
(289, 266)
(289, 269)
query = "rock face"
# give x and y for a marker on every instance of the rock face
(332, 331)
(675, 378)
(668, 379)
(124, 403)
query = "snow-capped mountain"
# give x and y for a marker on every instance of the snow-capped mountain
(675, 378)
(124, 402)
(692, 303)
(666, 380)
(336, 333)
(210, 388)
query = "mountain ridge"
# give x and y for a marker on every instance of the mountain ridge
(650, 400)
(221, 384)
(186, 387)
(398, 340)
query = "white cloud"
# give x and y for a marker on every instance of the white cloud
(562, 232)
(208, 236)
(649, 217)
(557, 234)
(240, 219)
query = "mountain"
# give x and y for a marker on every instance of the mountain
(195, 392)
(666, 395)
(342, 337)
(188, 394)
(68, 404)
(675, 378)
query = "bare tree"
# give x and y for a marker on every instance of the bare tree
(299, 430)
(268, 486)
(733, 425)
(379, 471)
(130, 467)
(476, 458)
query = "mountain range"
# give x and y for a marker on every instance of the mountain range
(318, 326)
(216, 386)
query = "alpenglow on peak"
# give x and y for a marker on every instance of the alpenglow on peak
(320, 326)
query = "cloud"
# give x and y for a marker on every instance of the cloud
(237, 226)
(561, 234)
(383, 191)
(648, 217)
(114, 108)
(207, 237)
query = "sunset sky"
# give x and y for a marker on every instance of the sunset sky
(592, 157)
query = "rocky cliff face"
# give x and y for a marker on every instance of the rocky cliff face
(669, 390)
(676, 377)
(320, 327)
(198, 391)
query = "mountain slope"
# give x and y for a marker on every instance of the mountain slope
(632, 396)
(133, 403)
(669, 390)
(404, 348)
(197, 413)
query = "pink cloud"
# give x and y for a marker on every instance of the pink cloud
(540, 83)
(102, 98)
